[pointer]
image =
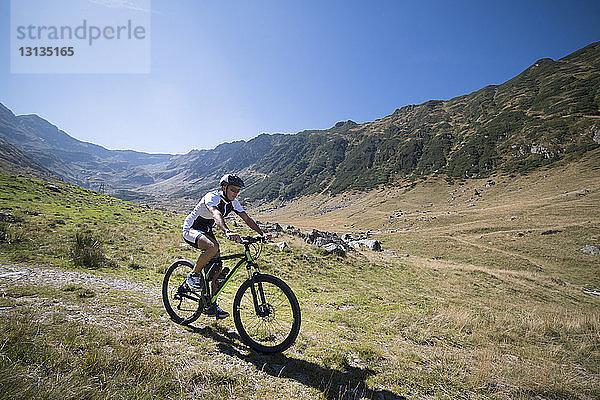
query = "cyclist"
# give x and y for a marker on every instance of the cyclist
(197, 231)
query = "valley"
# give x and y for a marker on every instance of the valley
(487, 294)
(537, 222)
(546, 115)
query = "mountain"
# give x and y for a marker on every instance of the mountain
(79, 162)
(14, 161)
(124, 171)
(548, 113)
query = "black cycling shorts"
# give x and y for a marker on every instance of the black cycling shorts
(200, 227)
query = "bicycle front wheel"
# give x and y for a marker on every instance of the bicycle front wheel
(266, 314)
(182, 304)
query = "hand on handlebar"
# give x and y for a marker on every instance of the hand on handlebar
(234, 237)
(255, 239)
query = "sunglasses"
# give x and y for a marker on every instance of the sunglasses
(234, 190)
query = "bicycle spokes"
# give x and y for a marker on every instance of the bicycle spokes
(182, 304)
(267, 313)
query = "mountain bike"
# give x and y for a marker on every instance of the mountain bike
(265, 310)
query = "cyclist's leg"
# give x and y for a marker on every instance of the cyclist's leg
(210, 248)
(203, 239)
(218, 267)
(209, 244)
(216, 271)
(213, 282)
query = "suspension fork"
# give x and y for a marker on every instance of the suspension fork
(258, 294)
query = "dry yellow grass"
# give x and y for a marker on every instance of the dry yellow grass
(497, 271)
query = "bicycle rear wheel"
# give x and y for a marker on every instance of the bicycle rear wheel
(270, 325)
(183, 305)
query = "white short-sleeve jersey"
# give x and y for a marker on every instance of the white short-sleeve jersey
(201, 214)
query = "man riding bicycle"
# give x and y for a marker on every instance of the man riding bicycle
(197, 231)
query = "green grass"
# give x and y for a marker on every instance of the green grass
(46, 354)
(67, 360)
(474, 312)
(49, 221)
(488, 306)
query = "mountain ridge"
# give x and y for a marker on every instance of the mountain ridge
(549, 112)
(74, 160)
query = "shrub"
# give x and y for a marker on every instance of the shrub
(87, 250)
(9, 235)
(3, 233)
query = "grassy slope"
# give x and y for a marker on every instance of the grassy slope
(475, 311)
(504, 303)
(493, 225)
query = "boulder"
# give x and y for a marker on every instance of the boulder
(355, 245)
(295, 232)
(269, 227)
(321, 237)
(371, 244)
(312, 236)
(327, 240)
(321, 241)
(593, 250)
(351, 237)
(281, 246)
(334, 248)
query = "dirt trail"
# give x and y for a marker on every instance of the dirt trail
(510, 254)
(115, 302)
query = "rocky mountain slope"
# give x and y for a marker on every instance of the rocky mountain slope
(550, 112)
(14, 161)
(547, 113)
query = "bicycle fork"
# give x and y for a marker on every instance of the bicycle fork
(258, 295)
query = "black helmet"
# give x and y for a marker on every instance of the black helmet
(230, 179)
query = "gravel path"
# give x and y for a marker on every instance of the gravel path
(26, 274)
(107, 305)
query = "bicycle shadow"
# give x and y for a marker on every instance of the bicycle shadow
(334, 384)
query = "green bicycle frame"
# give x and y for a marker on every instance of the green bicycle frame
(246, 258)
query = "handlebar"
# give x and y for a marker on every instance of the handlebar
(253, 239)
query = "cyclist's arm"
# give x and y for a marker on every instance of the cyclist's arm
(250, 222)
(220, 221)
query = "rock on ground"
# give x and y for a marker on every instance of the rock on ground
(593, 250)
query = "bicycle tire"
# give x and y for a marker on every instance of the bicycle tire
(182, 310)
(282, 312)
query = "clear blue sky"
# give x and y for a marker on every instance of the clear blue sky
(229, 70)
